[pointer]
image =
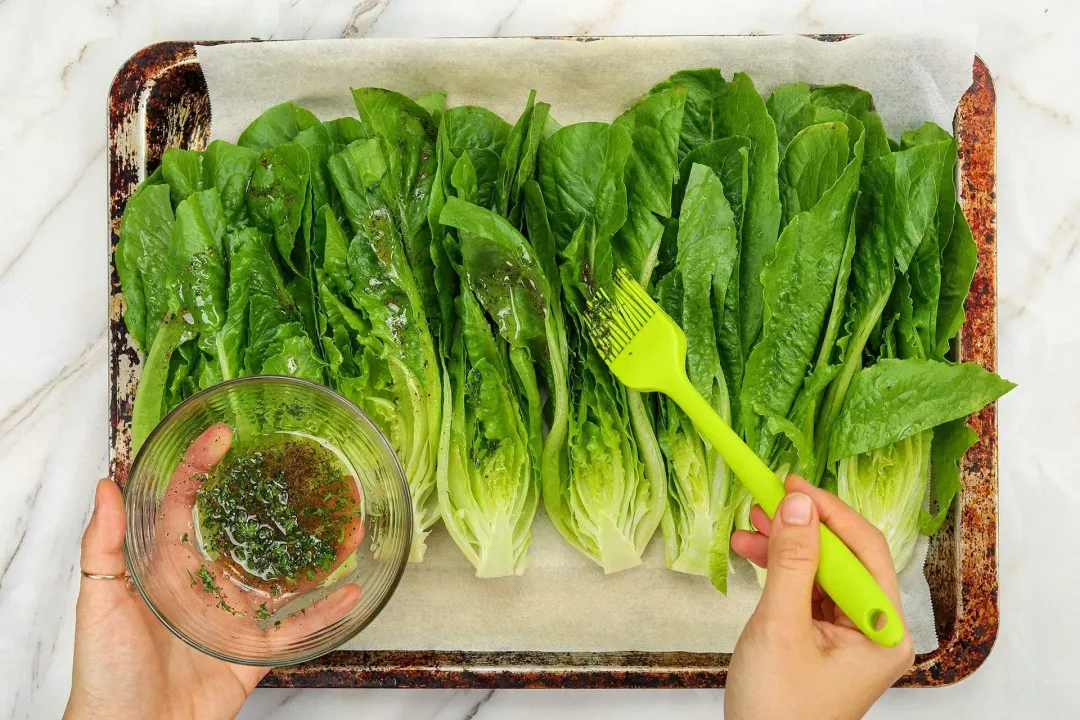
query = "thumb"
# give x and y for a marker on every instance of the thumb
(103, 541)
(794, 546)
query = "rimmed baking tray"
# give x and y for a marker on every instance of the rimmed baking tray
(159, 100)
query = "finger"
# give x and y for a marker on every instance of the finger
(760, 520)
(752, 546)
(103, 541)
(208, 449)
(351, 538)
(841, 619)
(794, 546)
(175, 530)
(283, 634)
(248, 675)
(201, 457)
(322, 614)
(828, 609)
(858, 533)
(325, 612)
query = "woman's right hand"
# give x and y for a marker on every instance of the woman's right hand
(799, 655)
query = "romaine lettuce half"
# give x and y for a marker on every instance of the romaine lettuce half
(499, 295)
(601, 193)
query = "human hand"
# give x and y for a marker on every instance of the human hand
(127, 662)
(799, 656)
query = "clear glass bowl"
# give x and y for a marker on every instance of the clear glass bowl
(218, 617)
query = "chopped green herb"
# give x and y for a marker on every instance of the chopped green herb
(262, 613)
(277, 508)
(207, 579)
(227, 608)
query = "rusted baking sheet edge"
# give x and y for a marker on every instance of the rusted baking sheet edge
(158, 100)
(974, 627)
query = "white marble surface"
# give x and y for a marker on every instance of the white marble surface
(58, 58)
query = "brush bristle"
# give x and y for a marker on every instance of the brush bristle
(613, 322)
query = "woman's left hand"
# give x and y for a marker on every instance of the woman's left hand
(127, 663)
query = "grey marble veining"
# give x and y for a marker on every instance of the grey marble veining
(59, 58)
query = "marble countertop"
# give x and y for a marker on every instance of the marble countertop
(59, 58)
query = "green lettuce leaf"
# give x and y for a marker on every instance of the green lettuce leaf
(859, 104)
(479, 160)
(482, 135)
(223, 166)
(951, 442)
(264, 333)
(183, 172)
(407, 137)
(958, 263)
(801, 280)
(505, 274)
(506, 277)
(811, 164)
(151, 403)
(197, 260)
(652, 168)
(894, 399)
(931, 134)
(434, 103)
(509, 333)
(654, 124)
(229, 168)
(276, 126)
(142, 262)
(795, 106)
(277, 197)
(706, 259)
(323, 141)
(582, 174)
(717, 109)
(728, 158)
(519, 158)
(598, 496)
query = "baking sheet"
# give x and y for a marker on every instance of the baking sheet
(563, 602)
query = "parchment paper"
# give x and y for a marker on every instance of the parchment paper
(563, 601)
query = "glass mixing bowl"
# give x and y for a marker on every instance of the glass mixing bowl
(211, 607)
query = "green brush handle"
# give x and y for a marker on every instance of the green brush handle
(840, 574)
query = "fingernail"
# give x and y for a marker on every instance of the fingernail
(796, 509)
